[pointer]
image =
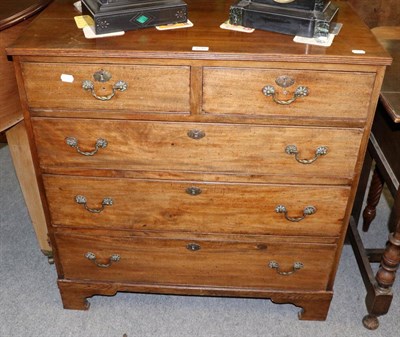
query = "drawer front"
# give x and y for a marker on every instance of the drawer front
(225, 149)
(196, 263)
(195, 207)
(149, 88)
(236, 91)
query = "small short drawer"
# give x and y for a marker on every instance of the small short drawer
(162, 89)
(286, 93)
(263, 265)
(199, 207)
(225, 149)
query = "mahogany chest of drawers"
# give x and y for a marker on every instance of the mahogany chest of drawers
(226, 172)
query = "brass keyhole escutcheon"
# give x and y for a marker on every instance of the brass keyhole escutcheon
(193, 247)
(102, 76)
(284, 81)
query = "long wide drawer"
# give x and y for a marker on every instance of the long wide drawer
(266, 265)
(148, 88)
(256, 92)
(196, 206)
(198, 147)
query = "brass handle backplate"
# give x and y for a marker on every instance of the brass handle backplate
(100, 144)
(81, 200)
(103, 76)
(284, 82)
(269, 91)
(309, 210)
(118, 86)
(113, 258)
(320, 151)
(275, 265)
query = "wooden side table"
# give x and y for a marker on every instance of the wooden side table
(384, 149)
(15, 16)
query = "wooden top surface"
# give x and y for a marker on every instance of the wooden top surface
(56, 34)
(14, 11)
(389, 37)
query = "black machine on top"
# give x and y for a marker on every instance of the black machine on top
(306, 18)
(122, 15)
(309, 5)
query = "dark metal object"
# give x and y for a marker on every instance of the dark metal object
(123, 15)
(118, 86)
(102, 76)
(193, 247)
(92, 257)
(196, 134)
(310, 5)
(275, 265)
(193, 190)
(300, 91)
(320, 151)
(280, 19)
(100, 144)
(81, 200)
(309, 210)
(285, 81)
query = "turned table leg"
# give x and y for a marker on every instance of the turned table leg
(378, 302)
(374, 195)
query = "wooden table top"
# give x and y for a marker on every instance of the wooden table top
(389, 37)
(14, 11)
(15, 16)
(56, 34)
